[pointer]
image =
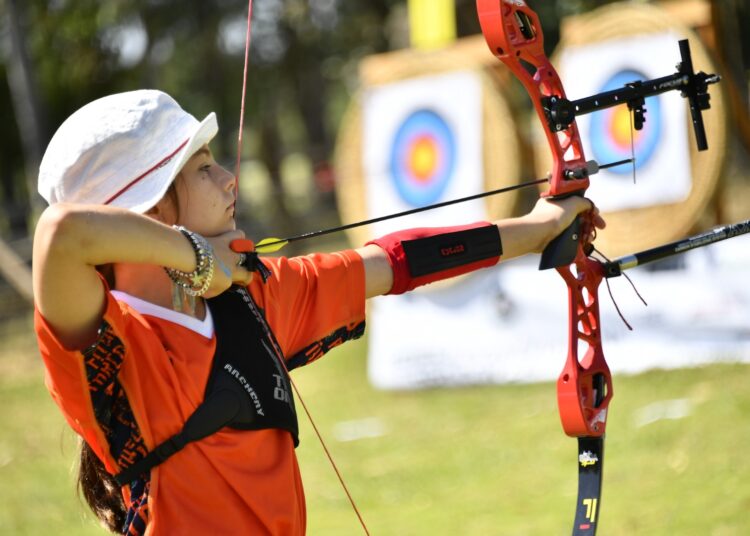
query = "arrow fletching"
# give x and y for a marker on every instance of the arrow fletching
(270, 245)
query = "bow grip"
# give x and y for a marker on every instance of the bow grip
(562, 250)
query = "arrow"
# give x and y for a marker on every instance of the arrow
(272, 245)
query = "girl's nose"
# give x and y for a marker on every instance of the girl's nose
(227, 179)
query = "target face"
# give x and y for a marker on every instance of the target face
(423, 157)
(611, 128)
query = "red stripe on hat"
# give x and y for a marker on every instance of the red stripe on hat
(161, 164)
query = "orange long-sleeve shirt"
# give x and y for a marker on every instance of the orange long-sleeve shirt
(152, 368)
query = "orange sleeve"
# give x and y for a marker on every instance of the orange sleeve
(313, 303)
(67, 381)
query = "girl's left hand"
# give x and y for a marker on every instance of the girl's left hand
(555, 215)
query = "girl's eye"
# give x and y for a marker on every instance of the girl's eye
(205, 168)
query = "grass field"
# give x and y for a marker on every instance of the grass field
(478, 461)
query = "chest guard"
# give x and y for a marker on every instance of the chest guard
(248, 388)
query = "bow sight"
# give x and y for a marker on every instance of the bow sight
(561, 112)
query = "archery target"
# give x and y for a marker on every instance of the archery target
(612, 133)
(424, 145)
(423, 157)
(674, 182)
(426, 127)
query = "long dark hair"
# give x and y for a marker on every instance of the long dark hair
(100, 490)
(98, 487)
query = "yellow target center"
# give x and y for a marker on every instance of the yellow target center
(423, 158)
(621, 127)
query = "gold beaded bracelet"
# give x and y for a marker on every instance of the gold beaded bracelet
(195, 283)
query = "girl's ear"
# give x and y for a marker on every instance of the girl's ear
(163, 211)
(167, 210)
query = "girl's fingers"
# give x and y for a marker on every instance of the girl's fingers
(597, 219)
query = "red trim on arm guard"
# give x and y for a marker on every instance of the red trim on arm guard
(425, 255)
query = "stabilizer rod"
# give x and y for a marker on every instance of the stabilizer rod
(615, 267)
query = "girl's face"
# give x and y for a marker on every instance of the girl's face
(205, 195)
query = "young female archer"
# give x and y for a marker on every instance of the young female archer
(164, 352)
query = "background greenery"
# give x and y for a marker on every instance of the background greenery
(304, 60)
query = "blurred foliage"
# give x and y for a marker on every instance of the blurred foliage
(303, 65)
(303, 68)
(304, 57)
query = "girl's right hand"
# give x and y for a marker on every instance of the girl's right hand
(226, 264)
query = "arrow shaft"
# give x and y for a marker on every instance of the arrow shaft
(406, 212)
(283, 241)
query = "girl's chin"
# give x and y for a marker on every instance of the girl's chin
(229, 226)
(217, 229)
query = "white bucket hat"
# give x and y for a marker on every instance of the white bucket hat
(123, 150)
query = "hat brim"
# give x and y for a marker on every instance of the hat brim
(144, 195)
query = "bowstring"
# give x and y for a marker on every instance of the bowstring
(242, 101)
(237, 186)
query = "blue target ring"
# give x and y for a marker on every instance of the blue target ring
(610, 129)
(423, 157)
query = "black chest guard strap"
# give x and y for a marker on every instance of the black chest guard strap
(248, 388)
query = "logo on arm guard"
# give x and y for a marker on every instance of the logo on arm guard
(452, 250)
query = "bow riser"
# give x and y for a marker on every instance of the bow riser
(514, 36)
(584, 388)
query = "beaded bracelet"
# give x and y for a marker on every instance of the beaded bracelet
(195, 283)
